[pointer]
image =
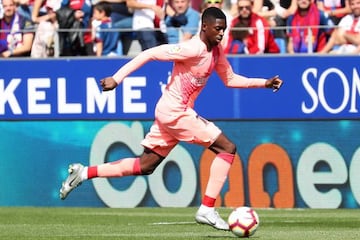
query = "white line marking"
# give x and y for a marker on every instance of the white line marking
(171, 223)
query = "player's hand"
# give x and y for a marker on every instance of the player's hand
(108, 84)
(275, 83)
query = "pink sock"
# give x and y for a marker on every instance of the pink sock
(218, 173)
(120, 168)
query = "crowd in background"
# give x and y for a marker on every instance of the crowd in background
(53, 28)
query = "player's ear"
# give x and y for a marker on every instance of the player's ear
(203, 26)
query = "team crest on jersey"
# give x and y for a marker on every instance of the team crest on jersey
(175, 49)
(199, 81)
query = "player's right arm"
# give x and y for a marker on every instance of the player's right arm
(108, 83)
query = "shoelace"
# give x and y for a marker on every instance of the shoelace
(217, 217)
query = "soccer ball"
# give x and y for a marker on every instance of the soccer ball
(243, 221)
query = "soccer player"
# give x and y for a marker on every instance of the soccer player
(175, 118)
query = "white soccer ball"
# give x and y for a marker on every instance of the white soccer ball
(243, 221)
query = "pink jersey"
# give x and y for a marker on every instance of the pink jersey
(193, 65)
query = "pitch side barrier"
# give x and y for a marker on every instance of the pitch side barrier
(297, 148)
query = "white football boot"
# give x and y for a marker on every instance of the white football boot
(72, 181)
(211, 218)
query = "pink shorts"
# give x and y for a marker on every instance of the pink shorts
(187, 126)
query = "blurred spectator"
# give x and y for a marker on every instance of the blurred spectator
(354, 39)
(284, 8)
(346, 38)
(25, 8)
(271, 9)
(233, 8)
(336, 9)
(75, 15)
(237, 45)
(181, 18)
(276, 12)
(309, 28)
(1, 10)
(265, 9)
(17, 33)
(44, 10)
(219, 4)
(255, 37)
(122, 17)
(106, 39)
(148, 22)
(46, 39)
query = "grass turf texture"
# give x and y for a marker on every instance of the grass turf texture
(170, 223)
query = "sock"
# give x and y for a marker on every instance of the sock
(120, 168)
(205, 209)
(208, 201)
(218, 173)
(84, 173)
(92, 172)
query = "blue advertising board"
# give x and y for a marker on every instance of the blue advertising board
(315, 87)
(280, 164)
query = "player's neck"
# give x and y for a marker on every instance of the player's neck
(209, 47)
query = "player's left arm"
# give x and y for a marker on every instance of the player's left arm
(233, 80)
(275, 83)
(239, 81)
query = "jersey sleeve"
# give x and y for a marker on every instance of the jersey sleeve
(165, 52)
(233, 80)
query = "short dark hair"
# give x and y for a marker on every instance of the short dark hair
(212, 13)
(103, 6)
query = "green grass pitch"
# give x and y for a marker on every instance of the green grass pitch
(18, 223)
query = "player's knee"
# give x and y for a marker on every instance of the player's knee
(224, 146)
(230, 148)
(147, 170)
(149, 161)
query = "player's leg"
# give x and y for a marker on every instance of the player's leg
(219, 171)
(143, 165)
(193, 128)
(157, 144)
(220, 167)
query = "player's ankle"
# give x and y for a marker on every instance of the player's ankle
(203, 208)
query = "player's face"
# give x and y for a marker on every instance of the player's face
(214, 31)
